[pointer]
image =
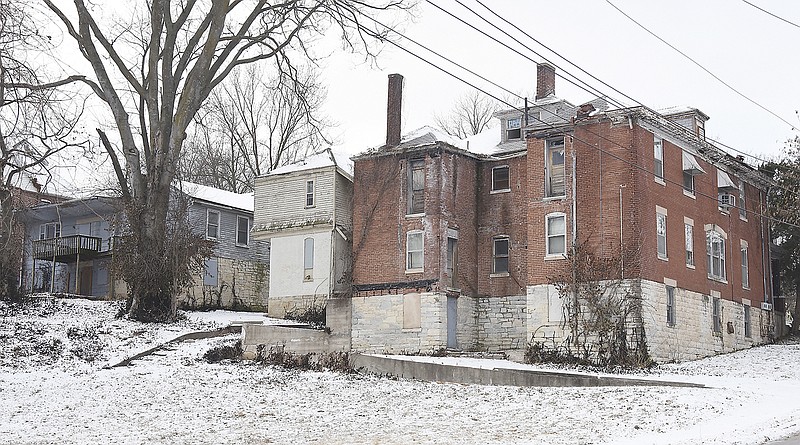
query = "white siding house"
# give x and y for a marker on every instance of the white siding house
(305, 210)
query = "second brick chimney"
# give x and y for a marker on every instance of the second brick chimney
(394, 110)
(545, 80)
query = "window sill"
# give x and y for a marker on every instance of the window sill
(244, 246)
(411, 330)
(410, 271)
(415, 215)
(211, 239)
(743, 218)
(557, 256)
(495, 192)
(663, 258)
(718, 279)
(554, 198)
(659, 180)
(690, 266)
(499, 275)
(310, 207)
(745, 287)
(689, 194)
(671, 325)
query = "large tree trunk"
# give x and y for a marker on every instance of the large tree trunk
(796, 315)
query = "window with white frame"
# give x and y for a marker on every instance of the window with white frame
(745, 267)
(212, 224)
(416, 186)
(415, 251)
(50, 230)
(716, 315)
(308, 259)
(242, 231)
(658, 158)
(556, 232)
(310, 193)
(514, 128)
(500, 179)
(670, 306)
(742, 210)
(715, 252)
(661, 234)
(555, 183)
(500, 246)
(689, 234)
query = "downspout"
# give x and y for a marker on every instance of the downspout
(332, 267)
(574, 193)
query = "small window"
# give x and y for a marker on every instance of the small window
(554, 166)
(556, 228)
(745, 269)
(715, 253)
(211, 272)
(670, 306)
(212, 224)
(689, 233)
(242, 231)
(658, 158)
(742, 210)
(308, 259)
(500, 179)
(688, 182)
(717, 315)
(416, 186)
(661, 235)
(50, 230)
(748, 330)
(310, 193)
(513, 128)
(415, 251)
(500, 255)
(452, 262)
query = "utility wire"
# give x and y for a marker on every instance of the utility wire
(576, 82)
(773, 15)
(702, 67)
(587, 143)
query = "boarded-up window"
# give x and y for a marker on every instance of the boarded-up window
(308, 259)
(416, 189)
(210, 277)
(412, 311)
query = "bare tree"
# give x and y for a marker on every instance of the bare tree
(36, 124)
(159, 64)
(471, 115)
(252, 124)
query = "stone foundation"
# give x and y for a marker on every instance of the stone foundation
(240, 285)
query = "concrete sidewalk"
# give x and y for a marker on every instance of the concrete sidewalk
(397, 366)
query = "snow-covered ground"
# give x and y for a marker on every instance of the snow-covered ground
(178, 398)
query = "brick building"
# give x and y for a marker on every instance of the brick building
(456, 245)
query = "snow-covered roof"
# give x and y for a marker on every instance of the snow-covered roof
(426, 135)
(326, 158)
(682, 109)
(242, 201)
(483, 143)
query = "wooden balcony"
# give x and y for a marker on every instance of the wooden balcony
(69, 248)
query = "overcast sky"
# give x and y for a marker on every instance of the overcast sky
(751, 51)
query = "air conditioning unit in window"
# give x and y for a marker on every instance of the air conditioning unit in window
(766, 306)
(726, 201)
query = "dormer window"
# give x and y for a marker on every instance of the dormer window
(514, 128)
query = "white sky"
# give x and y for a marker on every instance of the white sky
(753, 52)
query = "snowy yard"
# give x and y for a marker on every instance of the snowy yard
(53, 389)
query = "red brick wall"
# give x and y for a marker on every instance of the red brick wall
(503, 213)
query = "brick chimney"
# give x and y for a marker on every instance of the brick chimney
(545, 80)
(394, 110)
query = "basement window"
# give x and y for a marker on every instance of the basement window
(717, 315)
(308, 259)
(670, 306)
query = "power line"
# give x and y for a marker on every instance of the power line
(551, 126)
(701, 66)
(773, 15)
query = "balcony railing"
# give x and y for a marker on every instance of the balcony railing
(66, 247)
